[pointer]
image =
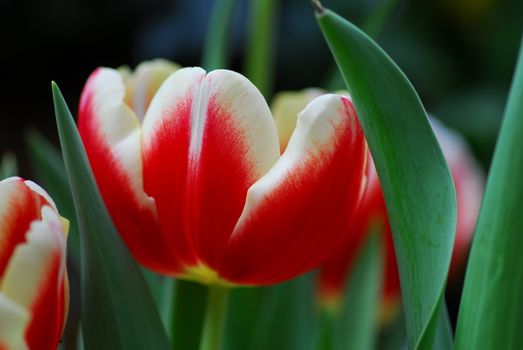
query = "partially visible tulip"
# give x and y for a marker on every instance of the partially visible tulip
(468, 179)
(197, 186)
(34, 290)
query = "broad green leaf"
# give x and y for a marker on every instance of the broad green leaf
(356, 326)
(187, 314)
(215, 53)
(118, 311)
(158, 285)
(416, 182)
(259, 60)
(8, 165)
(491, 310)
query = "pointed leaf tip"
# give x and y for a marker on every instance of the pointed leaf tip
(318, 7)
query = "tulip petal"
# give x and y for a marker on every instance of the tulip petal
(35, 280)
(285, 108)
(112, 137)
(13, 322)
(294, 213)
(142, 84)
(20, 203)
(210, 136)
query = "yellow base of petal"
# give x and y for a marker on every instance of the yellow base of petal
(203, 274)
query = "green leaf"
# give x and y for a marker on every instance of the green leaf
(279, 317)
(416, 182)
(259, 65)
(49, 170)
(377, 19)
(373, 26)
(215, 48)
(394, 336)
(8, 165)
(242, 315)
(356, 326)
(444, 339)
(491, 310)
(118, 311)
(188, 309)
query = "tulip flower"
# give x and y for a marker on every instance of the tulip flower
(197, 185)
(34, 290)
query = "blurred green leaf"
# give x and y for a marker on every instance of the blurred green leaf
(118, 311)
(187, 313)
(416, 182)
(491, 310)
(373, 26)
(215, 53)
(8, 165)
(393, 336)
(356, 327)
(242, 316)
(276, 317)
(377, 19)
(49, 170)
(259, 60)
(286, 316)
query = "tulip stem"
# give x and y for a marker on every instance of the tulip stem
(259, 59)
(215, 53)
(214, 318)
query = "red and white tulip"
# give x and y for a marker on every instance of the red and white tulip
(34, 290)
(197, 185)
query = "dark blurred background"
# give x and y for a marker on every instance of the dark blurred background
(459, 54)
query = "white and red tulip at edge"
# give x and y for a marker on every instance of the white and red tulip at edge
(190, 168)
(34, 290)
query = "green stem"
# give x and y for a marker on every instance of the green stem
(324, 336)
(260, 44)
(214, 318)
(8, 165)
(215, 49)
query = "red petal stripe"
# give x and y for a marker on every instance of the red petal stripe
(45, 329)
(23, 207)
